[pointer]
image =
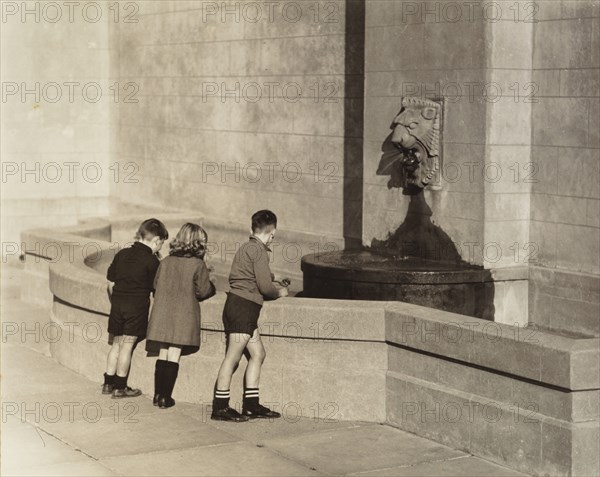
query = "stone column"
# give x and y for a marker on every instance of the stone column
(507, 167)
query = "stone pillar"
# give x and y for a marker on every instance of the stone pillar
(507, 167)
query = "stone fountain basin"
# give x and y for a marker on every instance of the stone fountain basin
(374, 275)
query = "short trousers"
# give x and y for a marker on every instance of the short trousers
(129, 316)
(240, 315)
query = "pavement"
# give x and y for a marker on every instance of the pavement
(56, 422)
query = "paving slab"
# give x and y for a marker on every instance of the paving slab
(466, 466)
(360, 449)
(56, 394)
(259, 430)
(67, 469)
(83, 404)
(26, 372)
(162, 430)
(241, 458)
(28, 444)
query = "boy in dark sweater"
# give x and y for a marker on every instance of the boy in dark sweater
(250, 280)
(130, 282)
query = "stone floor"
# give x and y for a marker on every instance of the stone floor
(55, 422)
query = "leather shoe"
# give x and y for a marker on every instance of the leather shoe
(155, 399)
(228, 414)
(107, 388)
(165, 402)
(260, 412)
(126, 392)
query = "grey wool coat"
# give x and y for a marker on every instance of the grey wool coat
(180, 283)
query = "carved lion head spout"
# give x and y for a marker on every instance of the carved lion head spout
(416, 134)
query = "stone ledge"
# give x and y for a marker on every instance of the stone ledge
(565, 301)
(509, 273)
(501, 432)
(568, 363)
(569, 406)
(110, 234)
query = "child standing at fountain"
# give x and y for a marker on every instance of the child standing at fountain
(130, 282)
(251, 281)
(181, 282)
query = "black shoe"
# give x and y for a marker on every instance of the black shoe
(126, 392)
(108, 388)
(164, 402)
(228, 414)
(155, 399)
(260, 412)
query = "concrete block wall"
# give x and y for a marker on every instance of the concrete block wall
(240, 109)
(410, 52)
(55, 114)
(521, 174)
(565, 200)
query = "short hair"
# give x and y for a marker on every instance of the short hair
(262, 219)
(151, 228)
(190, 241)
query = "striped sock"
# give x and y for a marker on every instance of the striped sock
(250, 398)
(221, 399)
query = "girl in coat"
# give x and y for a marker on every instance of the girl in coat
(182, 280)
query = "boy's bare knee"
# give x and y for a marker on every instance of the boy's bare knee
(259, 356)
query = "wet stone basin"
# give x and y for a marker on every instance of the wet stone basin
(369, 275)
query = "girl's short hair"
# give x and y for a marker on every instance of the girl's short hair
(190, 241)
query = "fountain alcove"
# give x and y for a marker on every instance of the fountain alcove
(418, 263)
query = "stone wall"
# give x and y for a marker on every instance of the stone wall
(521, 158)
(472, 56)
(241, 108)
(55, 136)
(515, 396)
(565, 201)
(411, 53)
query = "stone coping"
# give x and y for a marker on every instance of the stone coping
(550, 279)
(115, 232)
(541, 357)
(525, 353)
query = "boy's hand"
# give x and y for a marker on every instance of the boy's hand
(283, 292)
(109, 286)
(284, 282)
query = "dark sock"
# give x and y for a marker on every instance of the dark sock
(159, 376)
(120, 382)
(250, 398)
(171, 369)
(221, 400)
(109, 378)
